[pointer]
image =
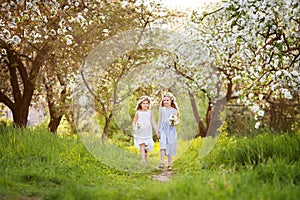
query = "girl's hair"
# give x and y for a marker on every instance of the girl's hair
(141, 100)
(173, 100)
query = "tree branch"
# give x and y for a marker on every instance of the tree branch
(12, 66)
(4, 99)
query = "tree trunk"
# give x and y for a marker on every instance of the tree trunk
(54, 121)
(56, 111)
(212, 117)
(55, 114)
(22, 82)
(70, 120)
(201, 127)
(21, 106)
(215, 121)
(20, 116)
(107, 122)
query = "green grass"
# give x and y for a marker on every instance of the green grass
(34, 164)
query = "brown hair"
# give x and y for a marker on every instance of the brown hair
(172, 98)
(141, 100)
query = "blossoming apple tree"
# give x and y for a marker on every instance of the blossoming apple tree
(245, 50)
(255, 45)
(43, 44)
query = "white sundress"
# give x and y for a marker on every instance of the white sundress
(143, 134)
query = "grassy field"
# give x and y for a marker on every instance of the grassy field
(35, 164)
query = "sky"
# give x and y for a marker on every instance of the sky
(184, 4)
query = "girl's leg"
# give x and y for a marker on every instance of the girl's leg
(169, 168)
(163, 146)
(146, 154)
(142, 150)
(169, 160)
(162, 158)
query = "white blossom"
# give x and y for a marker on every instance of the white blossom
(69, 39)
(273, 87)
(16, 39)
(12, 25)
(29, 4)
(251, 95)
(255, 108)
(52, 32)
(66, 7)
(3, 52)
(286, 93)
(80, 18)
(261, 113)
(251, 70)
(295, 73)
(257, 124)
(259, 68)
(278, 73)
(226, 5)
(6, 33)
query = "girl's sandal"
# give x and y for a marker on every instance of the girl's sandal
(169, 168)
(161, 166)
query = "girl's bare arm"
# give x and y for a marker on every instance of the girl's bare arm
(153, 122)
(135, 119)
(159, 123)
(177, 117)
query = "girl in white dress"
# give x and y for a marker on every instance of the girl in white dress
(142, 127)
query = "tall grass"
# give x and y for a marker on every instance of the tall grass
(35, 164)
(266, 166)
(259, 149)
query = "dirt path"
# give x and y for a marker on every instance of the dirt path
(164, 176)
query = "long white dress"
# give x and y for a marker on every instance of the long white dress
(143, 133)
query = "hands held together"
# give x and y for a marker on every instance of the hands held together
(158, 134)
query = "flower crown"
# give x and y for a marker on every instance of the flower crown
(168, 94)
(143, 98)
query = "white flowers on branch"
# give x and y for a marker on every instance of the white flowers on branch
(38, 24)
(15, 40)
(251, 48)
